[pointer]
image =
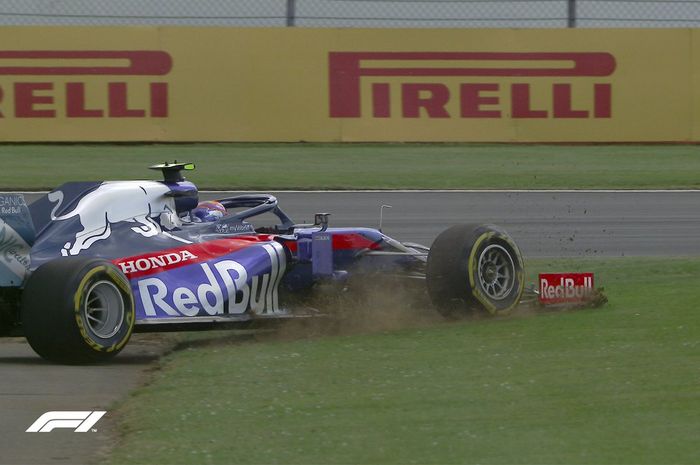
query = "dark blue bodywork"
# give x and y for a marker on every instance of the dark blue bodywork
(183, 271)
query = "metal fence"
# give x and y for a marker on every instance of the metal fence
(356, 13)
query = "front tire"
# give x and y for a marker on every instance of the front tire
(77, 310)
(474, 267)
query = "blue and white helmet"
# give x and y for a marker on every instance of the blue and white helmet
(208, 211)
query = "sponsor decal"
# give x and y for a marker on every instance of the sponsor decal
(16, 239)
(225, 228)
(78, 421)
(112, 202)
(11, 205)
(169, 259)
(557, 288)
(157, 261)
(14, 251)
(227, 276)
(433, 84)
(51, 83)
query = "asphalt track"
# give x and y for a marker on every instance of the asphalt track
(545, 224)
(29, 387)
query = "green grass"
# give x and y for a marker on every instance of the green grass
(348, 166)
(617, 384)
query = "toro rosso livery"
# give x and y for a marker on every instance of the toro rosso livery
(87, 264)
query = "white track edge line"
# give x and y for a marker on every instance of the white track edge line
(471, 191)
(442, 191)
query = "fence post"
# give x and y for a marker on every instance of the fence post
(571, 13)
(291, 12)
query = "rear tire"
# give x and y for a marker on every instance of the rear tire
(474, 267)
(77, 310)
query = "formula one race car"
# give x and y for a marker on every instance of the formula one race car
(90, 262)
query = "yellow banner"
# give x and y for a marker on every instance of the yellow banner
(220, 84)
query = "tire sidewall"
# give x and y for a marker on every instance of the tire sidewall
(451, 272)
(53, 316)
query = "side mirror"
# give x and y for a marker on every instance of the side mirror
(321, 219)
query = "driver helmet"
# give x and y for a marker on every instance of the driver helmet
(208, 211)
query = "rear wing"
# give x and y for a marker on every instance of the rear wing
(16, 238)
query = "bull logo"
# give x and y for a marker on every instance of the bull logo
(113, 202)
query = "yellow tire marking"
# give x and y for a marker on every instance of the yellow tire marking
(471, 266)
(129, 312)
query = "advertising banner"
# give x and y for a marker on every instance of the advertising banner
(288, 84)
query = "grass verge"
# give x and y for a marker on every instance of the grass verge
(611, 385)
(362, 166)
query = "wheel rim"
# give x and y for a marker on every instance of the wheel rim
(496, 272)
(104, 309)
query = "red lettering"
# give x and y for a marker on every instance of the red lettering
(561, 95)
(75, 102)
(434, 104)
(85, 62)
(381, 105)
(520, 103)
(159, 99)
(26, 99)
(118, 105)
(602, 100)
(472, 100)
(346, 69)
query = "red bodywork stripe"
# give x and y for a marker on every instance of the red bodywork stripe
(137, 266)
(156, 262)
(350, 241)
